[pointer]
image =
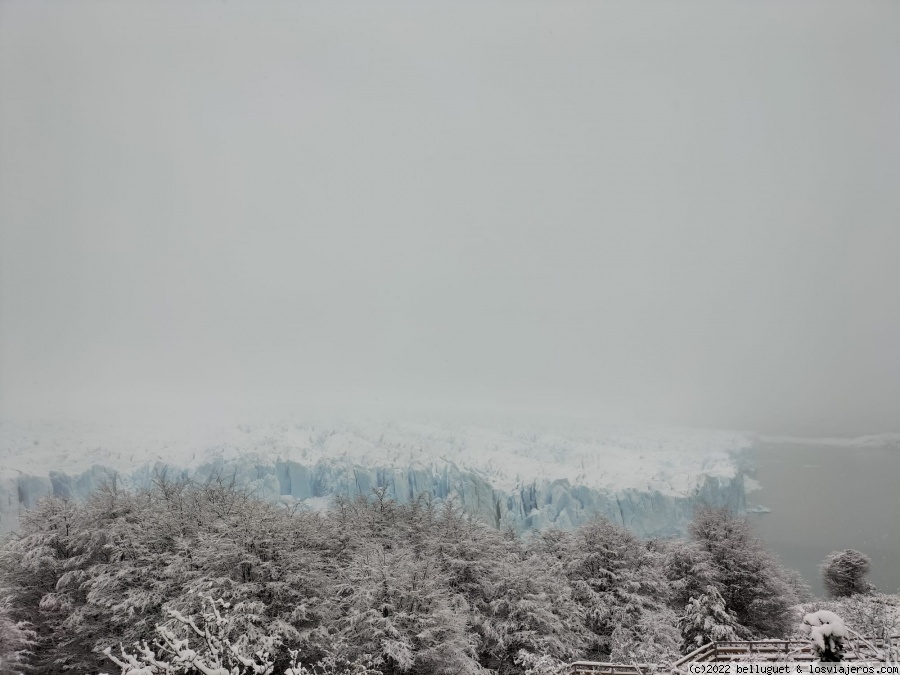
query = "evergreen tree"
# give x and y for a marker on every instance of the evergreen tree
(530, 611)
(652, 639)
(844, 572)
(688, 569)
(40, 568)
(616, 578)
(754, 585)
(705, 620)
(398, 609)
(16, 640)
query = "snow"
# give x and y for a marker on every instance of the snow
(823, 624)
(528, 474)
(667, 460)
(751, 484)
(317, 503)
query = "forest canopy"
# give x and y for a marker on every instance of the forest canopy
(372, 584)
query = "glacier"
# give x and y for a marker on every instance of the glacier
(519, 476)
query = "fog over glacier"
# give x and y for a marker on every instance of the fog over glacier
(423, 337)
(641, 214)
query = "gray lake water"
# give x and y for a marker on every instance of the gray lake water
(826, 498)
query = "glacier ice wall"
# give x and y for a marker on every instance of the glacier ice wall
(531, 504)
(520, 475)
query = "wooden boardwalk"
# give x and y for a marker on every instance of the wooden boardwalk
(600, 668)
(856, 649)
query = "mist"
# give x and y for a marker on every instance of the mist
(649, 213)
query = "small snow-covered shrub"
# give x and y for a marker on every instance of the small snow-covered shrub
(827, 632)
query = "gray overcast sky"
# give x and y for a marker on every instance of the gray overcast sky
(671, 212)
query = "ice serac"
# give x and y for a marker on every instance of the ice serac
(649, 483)
(531, 505)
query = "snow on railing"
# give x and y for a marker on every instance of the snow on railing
(857, 649)
(601, 668)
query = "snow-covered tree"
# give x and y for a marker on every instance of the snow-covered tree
(49, 548)
(801, 589)
(616, 578)
(399, 609)
(531, 610)
(205, 645)
(653, 638)
(826, 632)
(519, 600)
(532, 664)
(16, 640)
(205, 648)
(331, 664)
(706, 619)
(91, 575)
(688, 569)
(753, 583)
(511, 599)
(844, 573)
(875, 615)
(413, 587)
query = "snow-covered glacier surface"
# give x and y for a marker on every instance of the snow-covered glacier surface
(524, 476)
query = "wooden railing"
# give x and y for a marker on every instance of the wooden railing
(599, 668)
(856, 649)
(763, 650)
